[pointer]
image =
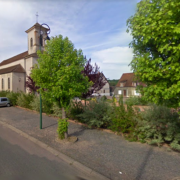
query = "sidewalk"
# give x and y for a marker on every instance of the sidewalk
(106, 153)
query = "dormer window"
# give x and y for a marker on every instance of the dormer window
(31, 42)
(121, 84)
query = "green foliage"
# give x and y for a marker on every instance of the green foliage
(103, 98)
(24, 100)
(62, 128)
(122, 120)
(158, 125)
(11, 95)
(113, 82)
(46, 106)
(155, 28)
(95, 114)
(75, 109)
(3, 93)
(58, 72)
(134, 100)
(56, 110)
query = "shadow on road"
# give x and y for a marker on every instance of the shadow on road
(144, 163)
(49, 126)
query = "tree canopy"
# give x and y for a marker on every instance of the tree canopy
(95, 76)
(58, 72)
(155, 28)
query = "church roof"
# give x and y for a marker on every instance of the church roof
(35, 26)
(14, 58)
(17, 68)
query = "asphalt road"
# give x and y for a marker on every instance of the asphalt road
(22, 159)
(106, 153)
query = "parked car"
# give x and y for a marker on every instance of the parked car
(4, 101)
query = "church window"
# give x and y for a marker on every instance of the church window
(8, 83)
(31, 41)
(2, 84)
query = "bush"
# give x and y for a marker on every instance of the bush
(62, 128)
(75, 109)
(24, 100)
(56, 110)
(95, 113)
(3, 93)
(46, 106)
(13, 96)
(158, 125)
(134, 100)
(122, 119)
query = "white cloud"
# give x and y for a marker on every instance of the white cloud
(114, 55)
(113, 61)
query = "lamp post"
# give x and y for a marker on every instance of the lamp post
(40, 44)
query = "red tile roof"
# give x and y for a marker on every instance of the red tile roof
(14, 58)
(127, 79)
(17, 68)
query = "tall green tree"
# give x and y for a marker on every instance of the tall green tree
(58, 72)
(155, 28)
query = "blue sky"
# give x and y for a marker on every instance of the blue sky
(98, 27)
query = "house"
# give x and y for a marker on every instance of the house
(105, 90)
(126, 86)
(13, 71)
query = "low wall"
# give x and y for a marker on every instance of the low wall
(138, 107)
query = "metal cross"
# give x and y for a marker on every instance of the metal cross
(37, 17)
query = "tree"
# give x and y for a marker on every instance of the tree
(30, 85)
(155, 29)
(58, 72)
(95, 76)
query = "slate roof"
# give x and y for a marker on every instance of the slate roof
(17, 68)
(128, 79)
(14, 58)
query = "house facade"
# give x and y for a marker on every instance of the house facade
(105, 90)
(127, 85)
(13, 71)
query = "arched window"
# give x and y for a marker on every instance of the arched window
(31, 42)
(2, 84)
(8, 83)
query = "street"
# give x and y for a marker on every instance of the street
(22, 159)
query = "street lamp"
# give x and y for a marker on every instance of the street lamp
(41, 44)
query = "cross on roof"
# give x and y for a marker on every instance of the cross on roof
(37, 17)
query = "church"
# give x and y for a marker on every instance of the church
(13, 71)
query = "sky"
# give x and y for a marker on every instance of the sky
(98, 27)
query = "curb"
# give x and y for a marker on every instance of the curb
(60, 155)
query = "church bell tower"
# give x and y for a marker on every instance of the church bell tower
(34, 38)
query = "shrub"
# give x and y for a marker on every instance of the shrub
(56, 110)
(3, 93)
(13, 96)
(62, 128)
(24, 100)
(158, 125)
(46, 106)
(95, 113)
(122, 119)
(75, 109)
(134, 100)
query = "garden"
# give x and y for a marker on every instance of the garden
(156, 125)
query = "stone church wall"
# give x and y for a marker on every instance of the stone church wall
(18, 82)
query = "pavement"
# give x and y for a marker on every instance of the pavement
(99, 153)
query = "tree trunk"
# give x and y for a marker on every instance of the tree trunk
(64, 117)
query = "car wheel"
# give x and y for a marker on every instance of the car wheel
(8, 105)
